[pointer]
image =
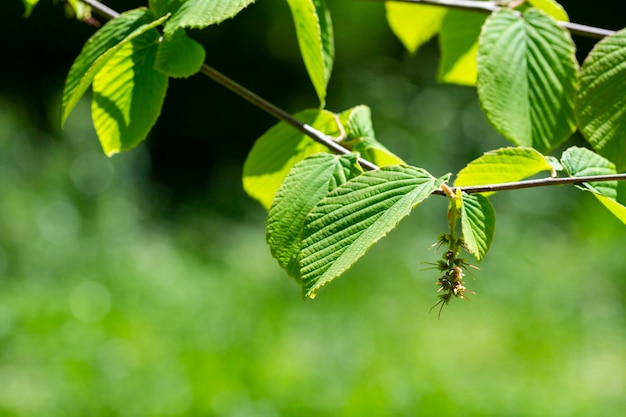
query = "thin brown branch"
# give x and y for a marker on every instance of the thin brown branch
(491, 6)
(541, 182)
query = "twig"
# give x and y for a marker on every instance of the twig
(541, 182)
(280, 114)
(255, 99)
(330, 143)
(491, 6)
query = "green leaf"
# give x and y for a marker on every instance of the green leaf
(347, 222)
(527, 78)
(362, 139)
(278, 150)
(99, 49)
(179, 56)
(29, 5)
(315, 36)
(478, 224)
(414, 24)
(503, 165)
(551, 7)
(128, 94)
(581, 162)
(307, 183)
(618, 210)
(197, 14)
(458, 41)
(601, 99)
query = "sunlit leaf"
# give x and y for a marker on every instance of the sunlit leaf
(279, 149)
(503, 165)
(198, 14)
(458, 41)
(527, 78)
(29, 5)
(478, 224)
(618, 210)
(315, 38)
(551, 8)
(179, 56)
(128, 94)
(99, 49)
(414, 24)
(362, 139)
(601, 99)
(358, 213)
(307, 183)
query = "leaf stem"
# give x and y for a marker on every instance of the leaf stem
(492, 6)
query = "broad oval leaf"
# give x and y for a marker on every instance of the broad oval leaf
(503, 165)
(347, 222)
(307, 183)
(198, 14)
(99, 49)
(279, 149)
(478, 224)
(315, 37)
(527, 74)
(601, 98)
(414, 24)
(458, 42)
(179, 56)
(128, 94)
(581, 162)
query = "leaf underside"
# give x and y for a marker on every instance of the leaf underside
(341, 228)
(307, 183)
(478, 223)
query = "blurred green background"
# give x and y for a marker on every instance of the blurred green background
(142, 286)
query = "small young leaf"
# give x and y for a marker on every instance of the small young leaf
(315, 36)
(362, 139)
(601, 99)
(179, 56)
(527, 78)
(278, 150)
(307, 183)
(128, 94)
(478, 224)
(414, 24)
(358, 213)
(458, 41)
(581, 162)
(197, 14)
(99, 49)
(503, 165)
